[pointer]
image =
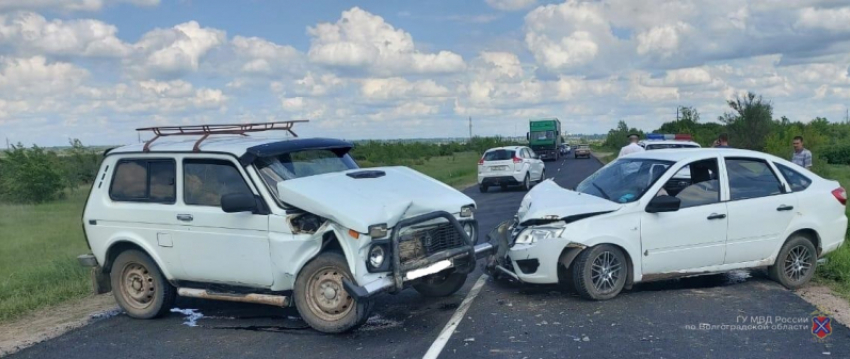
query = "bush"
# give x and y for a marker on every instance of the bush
(837, 154)
(30, 176)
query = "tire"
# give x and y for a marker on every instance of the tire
(482, 188)
(575, 156)
(503, 187)
(796, 263)
(542, 176)
(590, 282)
(440, 286)
(321, 299)
(526, 183)
(139, 286)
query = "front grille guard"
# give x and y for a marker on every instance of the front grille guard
(399, 270)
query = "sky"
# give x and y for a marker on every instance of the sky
(98, 69)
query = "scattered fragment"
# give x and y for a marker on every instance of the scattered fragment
(192, 316)
(585, 339)
(469, 340)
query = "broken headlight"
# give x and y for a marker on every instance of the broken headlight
(378, 231)
(466, 211)
(532, 235)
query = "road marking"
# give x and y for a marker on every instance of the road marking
(437, 347)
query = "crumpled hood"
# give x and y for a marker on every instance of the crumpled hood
(548, 201)
(358, 203)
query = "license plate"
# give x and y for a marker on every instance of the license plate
(498, 168)
(431, 269)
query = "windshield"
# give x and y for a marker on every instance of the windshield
(302, 164)
(624, 180)
(543, 135)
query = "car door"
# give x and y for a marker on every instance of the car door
(694, 236)
(215, 246)
(535, 164)
(760, 210)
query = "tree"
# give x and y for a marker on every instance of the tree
(618, 137)
(30, 175)
(750, 122)
(688, 114)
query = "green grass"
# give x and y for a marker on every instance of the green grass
(38, 249)
(39, 243)
(836, 272)
(459, 170)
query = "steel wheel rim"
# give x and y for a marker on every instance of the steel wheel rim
(798, 263)
(137, 286)
(326, 297)
(605, 272)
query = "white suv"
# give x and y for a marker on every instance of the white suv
(272, 222)
(513, 165)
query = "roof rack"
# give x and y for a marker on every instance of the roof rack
(222, 129)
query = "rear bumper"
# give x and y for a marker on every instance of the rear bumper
(461, 258)
(499, 180)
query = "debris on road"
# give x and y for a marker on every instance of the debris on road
(192, 316)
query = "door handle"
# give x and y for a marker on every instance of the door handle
(716, 216)
(185, 217)
(784, 208)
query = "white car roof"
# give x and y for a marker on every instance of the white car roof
(236, 145)
(512, 148)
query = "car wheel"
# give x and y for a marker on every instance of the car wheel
(542, 176)
(575, 156)
(795, 264)
(139, 286)
(321, 299)
(526, 183)
(503, 187)
(440, 285)
(599, 273)
(482, 188)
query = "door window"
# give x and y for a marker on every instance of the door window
(695, 184)
(205, 181)
(144, 180)
(751, 178)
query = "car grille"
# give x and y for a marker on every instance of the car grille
(421, 242)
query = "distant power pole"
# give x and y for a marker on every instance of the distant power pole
(7, 144)
(677, 113)
(846, 117)
(470, 127)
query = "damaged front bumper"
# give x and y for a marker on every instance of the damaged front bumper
(537, 263)
(462, 259)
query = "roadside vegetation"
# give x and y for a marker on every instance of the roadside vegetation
(750, 124)
(43, 191)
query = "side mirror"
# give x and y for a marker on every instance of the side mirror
(661, 204)
(238, 202)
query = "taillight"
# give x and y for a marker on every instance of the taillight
(481, 161)
(841, 195)
(517, 159)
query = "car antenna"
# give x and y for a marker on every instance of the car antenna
(220, 129)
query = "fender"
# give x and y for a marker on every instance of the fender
(631, 248)
(129, 237)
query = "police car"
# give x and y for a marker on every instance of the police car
(657, 141)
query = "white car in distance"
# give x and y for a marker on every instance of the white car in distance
(633, 221)
(508, 166)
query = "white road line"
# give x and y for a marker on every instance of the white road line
(437, 347)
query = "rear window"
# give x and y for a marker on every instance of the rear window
(498, 155)
(144, 181)
(797, 181)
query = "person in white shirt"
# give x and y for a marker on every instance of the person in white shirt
(632, 147)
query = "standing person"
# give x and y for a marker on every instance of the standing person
(801, 156)
(632, 147)
(723, 139)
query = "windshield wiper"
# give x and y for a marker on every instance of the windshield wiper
(601, 190)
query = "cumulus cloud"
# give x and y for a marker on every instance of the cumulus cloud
(660, 40)
(23, 77)
(31, 33)
(176, 50)
(69, 5)
(397, 87)
(833, 19)
(511, 5)
(260, 56)
(361, 40)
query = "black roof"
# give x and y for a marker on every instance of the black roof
(298, 144)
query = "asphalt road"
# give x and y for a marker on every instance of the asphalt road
(506, 320)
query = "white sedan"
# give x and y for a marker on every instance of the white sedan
(512, 165)
(634, 220)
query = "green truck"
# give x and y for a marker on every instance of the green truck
(544, 137)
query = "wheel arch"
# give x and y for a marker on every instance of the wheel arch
(571, 252)
(808, 233)
(332, 243)
(121, 245)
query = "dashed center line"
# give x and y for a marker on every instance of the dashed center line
(438, 345)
